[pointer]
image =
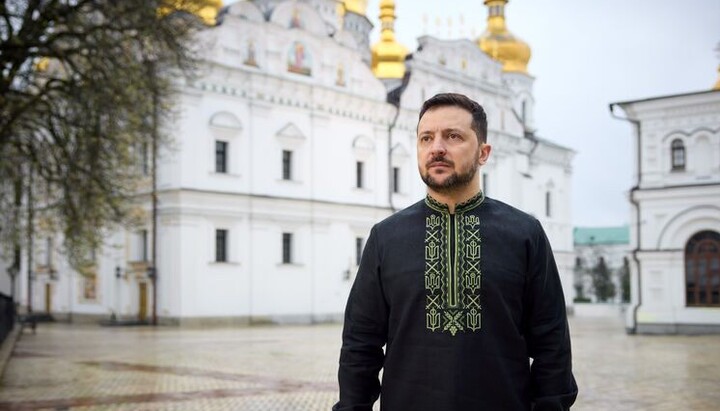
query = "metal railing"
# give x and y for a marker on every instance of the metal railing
(7, 316)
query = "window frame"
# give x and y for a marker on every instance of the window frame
(221, 156)
(359, 174)
(548, 204)
(396, 180)
(222, 236)
(678, 155)
(287, 160)
(359, 248)
(287, 245)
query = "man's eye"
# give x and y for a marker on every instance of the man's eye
(454, 135)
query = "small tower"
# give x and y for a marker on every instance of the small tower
(356, 23)
(356, 6)
(206, 10)
(500, 44)
(388, 56)
(514, 54)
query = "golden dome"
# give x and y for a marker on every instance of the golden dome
(500, 44)
(356, 6)
(206, 10)
(388, 56)
(42, 64)
(209, 10)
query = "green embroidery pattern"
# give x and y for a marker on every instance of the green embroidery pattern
(452, 268)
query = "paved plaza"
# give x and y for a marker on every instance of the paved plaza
(292, 368)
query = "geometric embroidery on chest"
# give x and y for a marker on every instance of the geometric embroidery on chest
(453, 278)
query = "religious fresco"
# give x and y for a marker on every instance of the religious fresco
(250, 54)
(340, 79)
(296, 22)
(299, 59)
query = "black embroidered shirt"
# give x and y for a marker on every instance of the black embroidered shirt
(461, 303)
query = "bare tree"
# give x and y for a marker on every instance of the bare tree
(83, 85)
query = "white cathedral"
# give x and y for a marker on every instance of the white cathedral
(298, 137)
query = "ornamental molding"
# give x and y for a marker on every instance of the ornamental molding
(225, 120)
(290, 135)
(687, 134)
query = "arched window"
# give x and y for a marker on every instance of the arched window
(678, 154)
(702, 269)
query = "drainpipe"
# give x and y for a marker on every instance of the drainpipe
(393, 98)
(636, 206)
(391, 184)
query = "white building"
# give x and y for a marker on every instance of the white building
(592, 244)
(296, 139)
(675, 226)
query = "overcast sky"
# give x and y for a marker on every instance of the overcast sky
(585, 55)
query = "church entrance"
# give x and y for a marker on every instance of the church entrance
(702, 270)
(142, 298)
(48, 298)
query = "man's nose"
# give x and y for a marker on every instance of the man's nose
(438, 146)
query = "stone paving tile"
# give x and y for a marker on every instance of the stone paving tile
(293, 368)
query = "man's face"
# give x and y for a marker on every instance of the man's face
(448, 149)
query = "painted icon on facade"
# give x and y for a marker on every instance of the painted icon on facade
(299, 59)
(250, 54)
(296, 22)
(340, 79)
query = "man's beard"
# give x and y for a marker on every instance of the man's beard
(453, 182)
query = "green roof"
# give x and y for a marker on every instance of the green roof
(601, 235)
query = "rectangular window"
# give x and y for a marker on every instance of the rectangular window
(287, 248)
(221, 156)
(485, 183)
(140, 246)
(396, 180)
(548, 204)
(287, 165)
(359, 241)
(221, 243)
(359, 174)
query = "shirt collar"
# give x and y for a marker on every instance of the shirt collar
(468, 205)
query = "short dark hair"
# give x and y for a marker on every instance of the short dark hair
(479, 118)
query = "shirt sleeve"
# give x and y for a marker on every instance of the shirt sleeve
(364, 335)
(552, 383)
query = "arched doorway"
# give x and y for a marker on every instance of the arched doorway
(702, 269)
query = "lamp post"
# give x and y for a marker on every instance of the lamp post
(152, 273)
(30, 232)
(114, 316)
(151, 56)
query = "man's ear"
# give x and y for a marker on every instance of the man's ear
(484, 153)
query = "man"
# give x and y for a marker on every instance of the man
(462, 290)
